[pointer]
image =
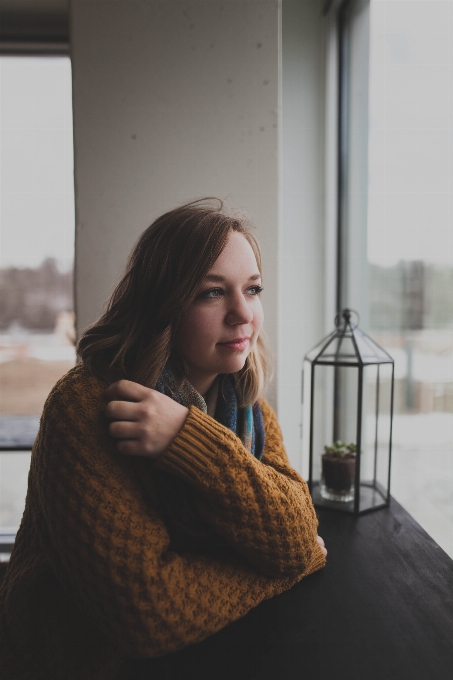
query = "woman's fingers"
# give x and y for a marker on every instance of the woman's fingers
(124, 400)
(122, 410)
(123, 429)
(322, 544)
(144, 421)
(126, 390)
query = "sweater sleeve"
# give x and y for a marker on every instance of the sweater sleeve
(263, 508)
(110, 549)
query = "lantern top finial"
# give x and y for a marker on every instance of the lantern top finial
(347, 317)
(348, 345)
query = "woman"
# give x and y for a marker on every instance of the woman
(161, 505)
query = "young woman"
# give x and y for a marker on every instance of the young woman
(161, 505)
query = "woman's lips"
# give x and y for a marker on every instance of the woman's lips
(238, 344)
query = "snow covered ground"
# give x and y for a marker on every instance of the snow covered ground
(422, 472)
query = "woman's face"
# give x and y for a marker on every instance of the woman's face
(221, 326)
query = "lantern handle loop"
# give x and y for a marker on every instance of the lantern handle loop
(345, 318)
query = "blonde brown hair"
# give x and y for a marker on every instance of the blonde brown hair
(134, 338)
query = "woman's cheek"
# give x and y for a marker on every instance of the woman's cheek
(205, 328)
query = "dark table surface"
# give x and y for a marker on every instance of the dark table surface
(382, 609)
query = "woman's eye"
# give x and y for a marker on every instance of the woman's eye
(256, 290)
(212, 293)
(216, 293)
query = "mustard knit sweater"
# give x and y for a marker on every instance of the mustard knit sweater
(101, 570)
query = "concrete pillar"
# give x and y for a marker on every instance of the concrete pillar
(302, 285)
(175, 100)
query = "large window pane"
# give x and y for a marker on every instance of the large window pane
(36, 256)
(398, 259)
(410, 245)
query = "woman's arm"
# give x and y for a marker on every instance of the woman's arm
(263, 508)
(110, 549)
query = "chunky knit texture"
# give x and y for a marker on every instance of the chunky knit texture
(97, 575)
(245, 421)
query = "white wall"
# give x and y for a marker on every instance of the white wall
(301, 261)
(176, 100)
(172, 101)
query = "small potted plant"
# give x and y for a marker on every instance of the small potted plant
(338, 472)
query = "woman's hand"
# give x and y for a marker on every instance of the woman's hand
(144, 421)
(322, 544)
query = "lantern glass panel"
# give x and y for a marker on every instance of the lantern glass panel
(375, 444)
(383, 444)
(369, 420)
(370, 352)
(322, 418)
(313, 353)
(333, 417)
(340, 350)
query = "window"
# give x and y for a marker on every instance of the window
(396, 248)
(36, 258)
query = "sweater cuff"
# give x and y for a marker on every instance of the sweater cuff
(196, 452)
(318, 561)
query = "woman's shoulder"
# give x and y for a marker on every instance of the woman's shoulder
(78, 388)
(73, 420)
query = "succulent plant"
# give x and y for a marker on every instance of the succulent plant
(341, 450)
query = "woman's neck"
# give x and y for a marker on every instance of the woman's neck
(201, 383)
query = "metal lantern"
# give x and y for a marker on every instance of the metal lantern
(347, 419)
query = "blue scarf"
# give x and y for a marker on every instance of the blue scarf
(246, 422)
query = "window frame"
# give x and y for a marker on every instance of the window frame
(22, 34)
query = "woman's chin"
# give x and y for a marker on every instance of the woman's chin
(234, 364)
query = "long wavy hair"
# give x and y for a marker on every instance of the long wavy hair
(134, 338)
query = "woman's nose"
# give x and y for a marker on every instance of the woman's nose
(239, 311)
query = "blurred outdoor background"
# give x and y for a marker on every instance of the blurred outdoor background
(410, 246)
(36, 256)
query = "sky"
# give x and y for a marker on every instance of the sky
(36, 161)
(410, 151)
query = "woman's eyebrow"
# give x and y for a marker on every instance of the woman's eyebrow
(218, 279)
